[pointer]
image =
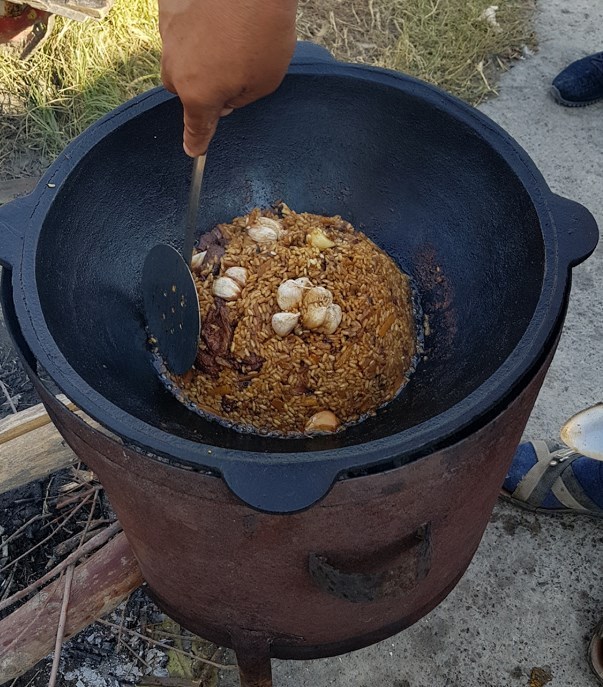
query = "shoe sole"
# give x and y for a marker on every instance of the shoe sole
(507, 497)
(560, 100)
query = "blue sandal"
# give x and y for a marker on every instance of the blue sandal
(548, 477)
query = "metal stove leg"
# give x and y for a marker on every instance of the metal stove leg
(253, 658)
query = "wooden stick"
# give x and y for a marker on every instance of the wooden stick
(25, 525)
(97, 541)
(48, 537)
(136, 656)
(69, 545)
(99, 585)
(32, 456)
(56, 660)
(31, 448)
(28, 420)
(8, 397)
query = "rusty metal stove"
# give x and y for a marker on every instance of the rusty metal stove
(373, 557)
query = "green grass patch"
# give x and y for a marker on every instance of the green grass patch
(83, 71)
(86, 69)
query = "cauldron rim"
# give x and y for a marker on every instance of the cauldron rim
(326, 464)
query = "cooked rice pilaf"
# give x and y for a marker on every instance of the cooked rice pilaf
(343, 310)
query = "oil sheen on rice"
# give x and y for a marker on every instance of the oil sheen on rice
(268, 361)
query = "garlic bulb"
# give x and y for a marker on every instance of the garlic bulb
(238, 274)
(265, 230)
(304, 282)
(318, 295)
(315, 304)
(284, 323)
(197, 261)
(226, 288)
(323, 421)
(262, 234)
(314, 317)
(332, 319)
(290, 294)
(319, 239)
(271, 223)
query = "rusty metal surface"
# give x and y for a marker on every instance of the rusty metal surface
(253, 658)
(391, 572)
(223, 570)
(18, 21)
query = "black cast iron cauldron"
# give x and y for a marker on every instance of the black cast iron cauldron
(399, 503)
(435, 183)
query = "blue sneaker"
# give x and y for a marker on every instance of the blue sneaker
(581, 83)
(548, 477)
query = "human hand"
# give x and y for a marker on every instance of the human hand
(222, 54)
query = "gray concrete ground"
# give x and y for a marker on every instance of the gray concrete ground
(534, 590)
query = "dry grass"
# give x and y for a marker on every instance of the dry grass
(86, 69)
(445, 42)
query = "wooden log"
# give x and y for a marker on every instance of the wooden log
(99, 585)
(31, 448)
(18, 424)
(75, 9)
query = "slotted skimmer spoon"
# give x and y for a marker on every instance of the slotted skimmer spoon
(170, 298)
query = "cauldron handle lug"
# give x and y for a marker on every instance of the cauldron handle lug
(273, 487)
(384, 574)
(577, 230)
(13, 219)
